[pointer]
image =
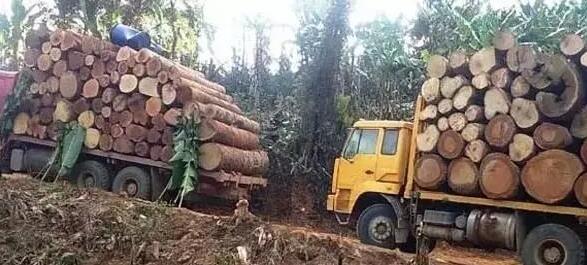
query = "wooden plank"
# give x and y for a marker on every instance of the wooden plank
(418, 127)
(526, 206)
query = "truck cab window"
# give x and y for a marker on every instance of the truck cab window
(352, 144)
(368, 142)
(390, 142)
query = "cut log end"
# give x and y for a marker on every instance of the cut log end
(431, 171)
(499, 177)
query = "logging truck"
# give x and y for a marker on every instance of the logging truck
(374, 189)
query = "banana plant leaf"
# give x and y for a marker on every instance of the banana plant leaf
(73, 141)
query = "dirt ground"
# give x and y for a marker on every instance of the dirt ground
(46, 223)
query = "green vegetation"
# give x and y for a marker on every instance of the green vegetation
(184, 177)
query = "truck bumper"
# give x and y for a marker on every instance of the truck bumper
(330, 202)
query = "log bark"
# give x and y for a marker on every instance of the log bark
(153, 106)
(519, 87)
(473, 131)
(483, 61)
(522, 148)
(458, 62)
(86, 119)
(189, 94)
(123, 145)
(583, 151)
(442, 124)
(481, 81)
(128, 83)
(155, 152)
(214, 157)
(580, 189)
(68, 85)
(463, 98)
(119, 103)
(214, 131)
(90, 88)
(445, 106)
(538, 180)
(171, 116)
(521, 58)
(70, 40)
(558, 106)
(92, 139)
(450, 144)
(525, 113)
(430, 112)
(476, 150)
(437, 66)
(148, 86)
(552, 136)
(501, 78)
(187, 83)
(504, 40)
(426, 141)
(431, 172)
(572, 45)
(463, 176)
(499, 177)
(500, 131)
(230, 118)
(124, 53)
(475, 113)
(431, 90)
(496, 101)
(457, 121)
(21, 123)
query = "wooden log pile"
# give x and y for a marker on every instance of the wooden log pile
(130, 102)
(506, 122)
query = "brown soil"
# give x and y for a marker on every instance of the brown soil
(45, 223)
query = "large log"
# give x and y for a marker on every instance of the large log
(445, 106)
(80, 105)
(431, 90)
(44, 62)
(153, 136)
(123, 145)
(476, 150)
(63, 111)
(68, 85)
(106, 142)
(158, 122)
(473, 131)
(501, 78)
(450, 85)
(128, 83)
(171, 116)
(437, 66)
(499, 177)
(91, 88)
(426, 141)
(521, 58)
(21, 123)
(483, 61)
(92, 139)
(155, 152)
(119, 102)
(525, 113)
(214, 156)
(549, 177)
(458, 61)
(148, 86)
(167, 135)
(572, 45)
(75, 60)
(430, 172)
(153, 106)
(136, 102)
(581, 189)
(86, 119)
(481, 81)
(140, 117)
(108, 95)
(521, 148)
(579, 124)
(463, 98)
(142, 149)
(463, 176)
(59, 68)
(496, 101)
(30, 57)
(214, 131)
(504, 40)
(187, 94)
(168, 94)
(450, 144)
(500, 130)
(552, 136)
(125, 118)
(556, 106)
(519, 87)
(187, 83)
(166, 153)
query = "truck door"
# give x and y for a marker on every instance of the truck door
(357, 163)
(389, 165)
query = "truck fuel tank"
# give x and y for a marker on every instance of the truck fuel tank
(488, 228)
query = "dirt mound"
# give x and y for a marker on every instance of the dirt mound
(42, 223)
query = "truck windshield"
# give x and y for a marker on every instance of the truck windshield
(361, 141)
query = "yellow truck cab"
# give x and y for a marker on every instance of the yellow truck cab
(373, 188)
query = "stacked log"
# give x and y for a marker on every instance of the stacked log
(508, 121)
(131, 101)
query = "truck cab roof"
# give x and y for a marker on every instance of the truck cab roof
(382, 124)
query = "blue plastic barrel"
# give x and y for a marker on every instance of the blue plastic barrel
(123, 35)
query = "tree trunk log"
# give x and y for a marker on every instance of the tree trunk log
(80, 105)
(457, 121)
(500, 130)
(90, 88)
(106, 142)
(437, 66)
(141, 118)
(501, 78)
(537, 175)
(579, 124)
(142, 149)
(63, 111)
(153, 136)
(168, 94)
(473, 131)
(155, 152)
(21, 123)
(430, 112)
(525, 113)
(504, 40)
(125, 118)
(108, 95)
(522, 148)
(119, 103)
(153, 66)
(463, 176)
(128, 83)
(499, 177)
(475, 113)
(158, 122)
(214, 131)
(59, 68)
(572, 45)
(552, 136)
(450, 144)
(442, 124)
(166, 153)
(426, 141)
(123, 145)
(187, 83)
(136, 103)
(68, 85)
(86, 119)
(116, 131)
(556, 106)
(148, 86)
(445, 106)
(463, 98)
(138, 70)
(458, 62)
(431, 172)
(92, 139)
(450, 85)
(171, 116)
(153, 106)
(431, 90)
(581, 190)
(521, 58)
(519, 87)
(214, 156)
(483, 61)
(481, 81)
(167, 136)
(476, 150)
(496, 101)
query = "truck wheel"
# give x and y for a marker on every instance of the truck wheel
(134, 182)
(553, 244)
(376, 226)
(91, 174)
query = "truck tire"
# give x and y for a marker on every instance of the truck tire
(553, 244)
(134, 182)
(376, 226)
(90, 174)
